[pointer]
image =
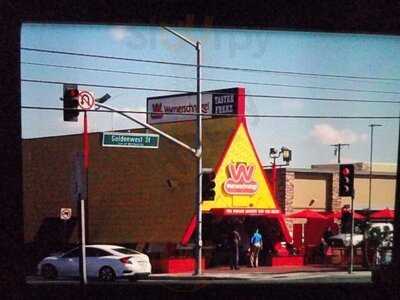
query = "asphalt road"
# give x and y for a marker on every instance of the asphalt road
(222, 285)
(228, 278)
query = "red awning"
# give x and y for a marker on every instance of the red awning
(383, 214)
(307, 214)
(338, 215)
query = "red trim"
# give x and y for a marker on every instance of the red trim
(189, 231)
(244, 212)
(259, 163)
(285, 230)
(241, 104)
(85, 141)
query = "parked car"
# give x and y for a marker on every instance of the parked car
(343, 239)
(105, 262)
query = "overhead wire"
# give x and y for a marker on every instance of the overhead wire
(215, 114)
(209, 66)
(222, 93)
(207, 79)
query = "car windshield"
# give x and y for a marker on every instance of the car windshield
(126, 251)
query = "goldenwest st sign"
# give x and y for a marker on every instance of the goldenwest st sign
(130, 140)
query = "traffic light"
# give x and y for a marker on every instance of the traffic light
(346, 180)
(208, 185)
(71, 103)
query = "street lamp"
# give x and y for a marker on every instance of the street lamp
(370, 165)
(275, 154)
(199, 150)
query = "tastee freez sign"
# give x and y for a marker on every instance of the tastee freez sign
(224, 104)
(241, 180)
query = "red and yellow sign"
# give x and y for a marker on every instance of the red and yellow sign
(240, 180)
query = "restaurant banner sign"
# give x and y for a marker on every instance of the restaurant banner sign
(183, 107)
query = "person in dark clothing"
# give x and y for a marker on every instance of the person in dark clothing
(327, 234)
(325, 243)
(234, 245)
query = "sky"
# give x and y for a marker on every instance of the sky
(310, 139)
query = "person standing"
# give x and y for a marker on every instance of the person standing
(256, 245)
(234, 245)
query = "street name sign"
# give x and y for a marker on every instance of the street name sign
(130, 140)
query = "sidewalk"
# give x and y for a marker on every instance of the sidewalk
(224, 272)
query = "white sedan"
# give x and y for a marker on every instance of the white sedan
(105, 262)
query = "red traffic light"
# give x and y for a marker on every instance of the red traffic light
(345, 171)
(73, 93)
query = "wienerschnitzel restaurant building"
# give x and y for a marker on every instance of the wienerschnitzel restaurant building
(145, 198)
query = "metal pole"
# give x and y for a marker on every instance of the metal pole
(274, 177)
(370, 169)
(198, 153)
(351, 236)
(339, 148)
(199, 163)
(396, 229)
(84, 275)
(370, 166)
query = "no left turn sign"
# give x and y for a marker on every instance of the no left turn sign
(65, 213)
(86, 100)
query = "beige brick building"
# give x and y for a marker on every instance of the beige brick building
(319, 186)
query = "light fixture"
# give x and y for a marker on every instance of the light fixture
(273, 153)
(286, 154)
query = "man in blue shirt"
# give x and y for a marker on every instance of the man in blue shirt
(256, 246)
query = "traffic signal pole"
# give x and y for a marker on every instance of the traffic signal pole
(82, 199)
(351, 236)
(346, 189)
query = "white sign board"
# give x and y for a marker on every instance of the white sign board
(86, 100)
(163, 108)
(65, 213)
(177, 108)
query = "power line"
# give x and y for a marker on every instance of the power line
(210, 66)
(247, 95)
(208, 79)
(221, 115)
(109, 86)
(108, 57)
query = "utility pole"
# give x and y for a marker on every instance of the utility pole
(338, 148)
(370, 166)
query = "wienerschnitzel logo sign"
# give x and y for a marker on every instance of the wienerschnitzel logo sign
(241, 180)
(176, 108)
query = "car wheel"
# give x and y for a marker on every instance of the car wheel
(49, 272)
(106, 274)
